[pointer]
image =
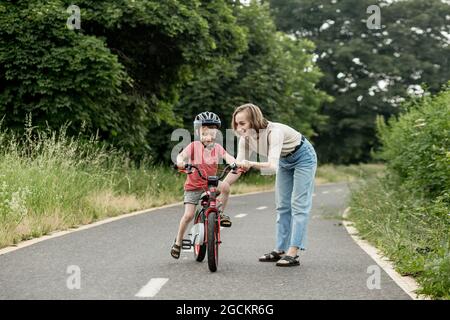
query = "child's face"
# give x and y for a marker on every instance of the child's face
(208, 135)
(243, 124)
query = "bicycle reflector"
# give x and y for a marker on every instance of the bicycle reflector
(198, 234)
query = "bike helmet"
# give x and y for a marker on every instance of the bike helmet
(207, 118)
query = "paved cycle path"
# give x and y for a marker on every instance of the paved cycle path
(129, 259)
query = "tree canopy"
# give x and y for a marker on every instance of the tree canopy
(369, 72)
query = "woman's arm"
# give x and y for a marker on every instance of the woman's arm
(275, 143)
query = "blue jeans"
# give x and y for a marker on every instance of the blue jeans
(294, 189)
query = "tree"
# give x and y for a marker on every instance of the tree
(275, 71)
(121, 74)
(370, 72)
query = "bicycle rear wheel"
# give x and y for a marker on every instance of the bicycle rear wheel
(213, 242)
(199, 249)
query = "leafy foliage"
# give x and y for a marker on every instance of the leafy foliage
(120, 74)
(275, 71)
(417, 145)
(369, 72)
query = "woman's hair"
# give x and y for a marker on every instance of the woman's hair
(255, 117)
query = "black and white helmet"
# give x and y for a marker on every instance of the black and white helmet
(207, 118)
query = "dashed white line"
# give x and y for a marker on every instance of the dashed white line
(241, 215)
(325, 192)
(152, 288)
(261, 208)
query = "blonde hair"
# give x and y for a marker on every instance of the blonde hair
(256, 118)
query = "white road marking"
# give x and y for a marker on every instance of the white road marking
(325, 192)
(261, 208)
(241, 215)
(152, 288)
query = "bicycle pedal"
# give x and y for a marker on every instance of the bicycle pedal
(186, 244)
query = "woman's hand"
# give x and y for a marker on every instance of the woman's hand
(245, 165)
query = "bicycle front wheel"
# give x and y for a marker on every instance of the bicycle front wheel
(213, 242)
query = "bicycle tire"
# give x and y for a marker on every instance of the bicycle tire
(199, 249)
(213, 243)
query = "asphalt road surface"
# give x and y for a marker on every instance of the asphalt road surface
(129, 259)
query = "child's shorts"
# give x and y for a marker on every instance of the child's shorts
(192, 196)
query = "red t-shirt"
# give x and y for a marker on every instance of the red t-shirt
(206, 160)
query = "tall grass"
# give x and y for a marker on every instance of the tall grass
(413, 231)
(49, 181)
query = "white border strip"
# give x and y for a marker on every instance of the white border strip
(407, 283)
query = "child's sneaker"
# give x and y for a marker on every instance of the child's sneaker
(225, 220)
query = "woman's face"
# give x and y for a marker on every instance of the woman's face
(243, 126)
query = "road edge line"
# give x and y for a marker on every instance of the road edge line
(407, 283)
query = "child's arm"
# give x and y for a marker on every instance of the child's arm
(182, 157)
(229, 158)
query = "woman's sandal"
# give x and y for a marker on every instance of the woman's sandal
(175, 251)
(291, 261)
(272, 256)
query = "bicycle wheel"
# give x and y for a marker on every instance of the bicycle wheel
(199, 249)
(213, 242)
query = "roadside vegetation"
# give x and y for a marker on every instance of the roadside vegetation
(50, 181)
(406, 213)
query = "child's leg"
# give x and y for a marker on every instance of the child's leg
(189, 211)
(224, 189)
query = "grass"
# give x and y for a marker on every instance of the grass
(413, 232)
(332, 173)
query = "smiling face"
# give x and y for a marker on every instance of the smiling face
(242, 123)
(208, 135)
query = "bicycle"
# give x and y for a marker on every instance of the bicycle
(207, 218)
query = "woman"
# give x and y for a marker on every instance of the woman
(292, 157)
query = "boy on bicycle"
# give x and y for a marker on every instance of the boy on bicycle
(205, 154)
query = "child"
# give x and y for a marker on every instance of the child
(205, 155)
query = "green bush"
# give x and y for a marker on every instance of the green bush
(406, 213)
(120, 74)
(417, 145)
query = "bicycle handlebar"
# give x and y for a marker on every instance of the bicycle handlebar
(188, 169)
